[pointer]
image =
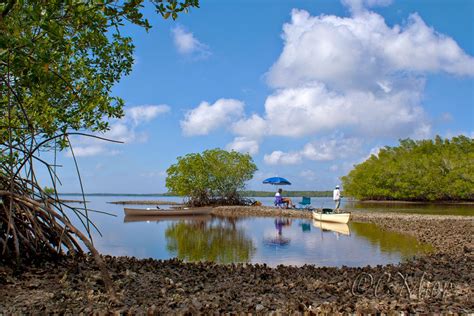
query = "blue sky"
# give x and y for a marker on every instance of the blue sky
(308, 88)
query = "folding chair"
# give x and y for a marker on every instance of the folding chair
(305, 202)
(279, 202)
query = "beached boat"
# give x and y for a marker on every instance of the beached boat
(335, 227)
(161, 218)
(167, 212)
(331, 217)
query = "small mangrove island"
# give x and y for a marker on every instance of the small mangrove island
(424, 170)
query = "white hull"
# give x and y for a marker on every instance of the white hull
(333, 218)
(335, 227)
(161, 212)
(152, 218)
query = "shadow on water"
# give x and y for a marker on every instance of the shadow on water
(390, 242)
(215, 240)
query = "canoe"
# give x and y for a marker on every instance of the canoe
(166, 212)
(335, 227)
(161, 218)
(332, 217)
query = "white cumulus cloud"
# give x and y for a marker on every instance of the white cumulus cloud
(353, 75)
(244, 145)
(325, 149)
(126, 130)
(356, 74)
(208, 117)
(359, 51)
(313, 108)
(281, 158)
(187, 44)
(252, 127)
(145, 113)
(357, 6)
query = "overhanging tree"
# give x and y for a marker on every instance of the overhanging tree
(58, 63)
(214, 177)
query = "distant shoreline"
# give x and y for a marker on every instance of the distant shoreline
(261, 194)
(244, 193)
(413, 202)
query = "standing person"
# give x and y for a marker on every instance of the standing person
(336, 196)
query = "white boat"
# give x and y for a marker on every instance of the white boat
(159, 218)
(174, 212)
(340, 228)
(332, 217)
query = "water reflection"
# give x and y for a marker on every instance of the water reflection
(338, 228)
(243, 239)
(390, 242)
(464, 209)
(279, 239)
(217, 240)
(305, 227)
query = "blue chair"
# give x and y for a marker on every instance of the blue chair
(305, 202)
(279, 202)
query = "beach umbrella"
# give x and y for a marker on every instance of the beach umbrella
(277, 181)
(277, 241)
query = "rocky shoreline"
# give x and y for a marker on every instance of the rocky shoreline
(438, 283)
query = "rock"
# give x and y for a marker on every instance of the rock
(259, 308)
(196, 303)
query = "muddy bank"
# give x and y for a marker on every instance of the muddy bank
(441, 282)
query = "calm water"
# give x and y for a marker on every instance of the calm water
(414, 208)
(257, 240)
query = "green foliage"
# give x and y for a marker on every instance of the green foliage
(221, 242)
(390, 242)
(215, 176)
(60, 59)
(48, 191)
(425, 170)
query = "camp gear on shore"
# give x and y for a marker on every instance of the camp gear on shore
(305, 202)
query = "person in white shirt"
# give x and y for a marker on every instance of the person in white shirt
(280, 199)
(336, 196)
